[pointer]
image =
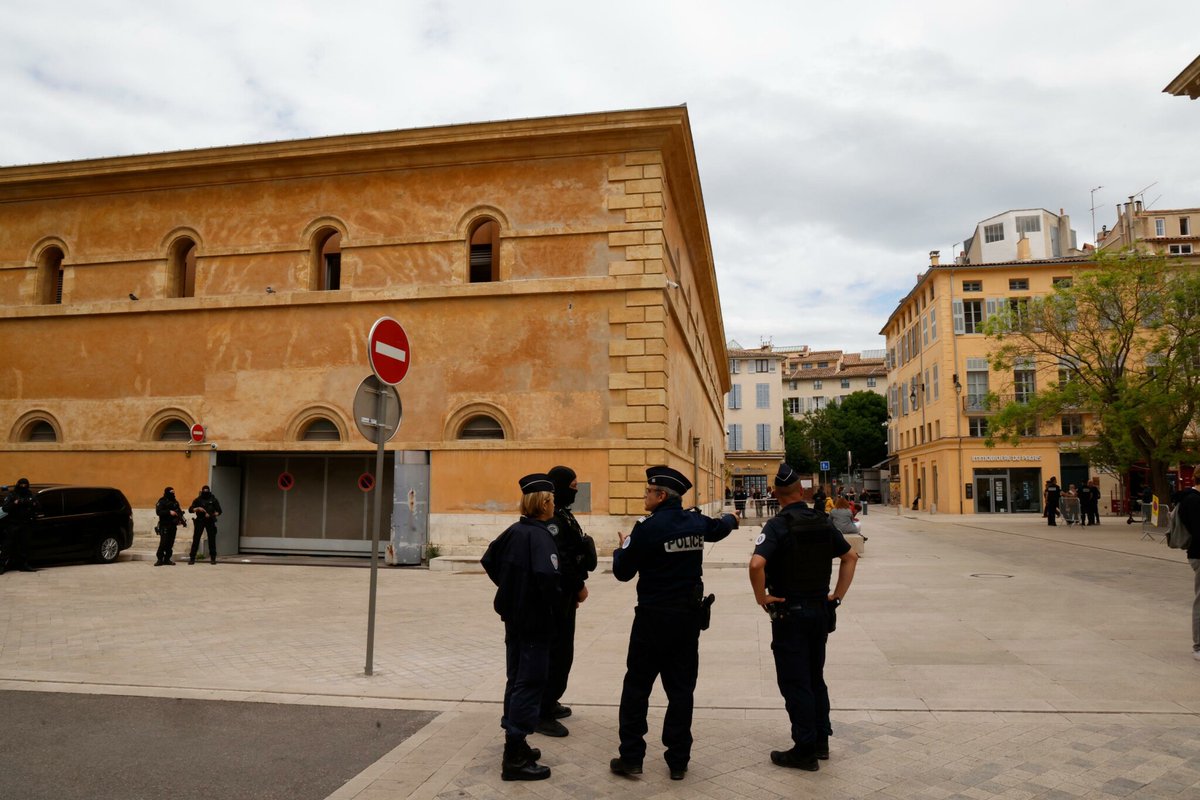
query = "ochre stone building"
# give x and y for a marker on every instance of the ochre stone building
(554, 275)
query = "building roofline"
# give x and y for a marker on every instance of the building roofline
(1033, 262)
(1186, 82)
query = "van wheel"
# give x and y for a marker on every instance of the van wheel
(108, 549)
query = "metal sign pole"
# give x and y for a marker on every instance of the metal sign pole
(380, 416)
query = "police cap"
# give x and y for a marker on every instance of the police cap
(786, 476)
(667, 478)
(537, 482)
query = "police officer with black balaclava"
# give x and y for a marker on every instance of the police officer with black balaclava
(170, 517)
(21, 506)
(207, 508)
(666, 549)
(576, 558)
(790, 573)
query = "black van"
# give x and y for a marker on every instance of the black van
(76, 523)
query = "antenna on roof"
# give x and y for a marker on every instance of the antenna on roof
(1142, 193)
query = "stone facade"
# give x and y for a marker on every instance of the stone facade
(597, 343)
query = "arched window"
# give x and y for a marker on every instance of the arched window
(327, 258)
(485, 249)
(175, 430)
(481, 426)
(321, 430)
(181, 262)
(40, 431)
(50, 276)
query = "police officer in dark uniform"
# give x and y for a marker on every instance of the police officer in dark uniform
(576, 558)
(21, 506)
(666, 549)
(207, 508)
(523, 563)
(790, 572)
(170, 517)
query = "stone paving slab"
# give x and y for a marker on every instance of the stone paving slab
(975, 657)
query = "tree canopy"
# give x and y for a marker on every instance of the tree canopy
(855, 424)
(1122, 342)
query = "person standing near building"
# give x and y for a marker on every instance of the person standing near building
(790, 573)
(666, 551)
(1051, 498)
(819, 497)
(207, 508)
(524, 565)
(170, 517)
(21, 505)
(739, 501)
(1189, 514)
(576, 558)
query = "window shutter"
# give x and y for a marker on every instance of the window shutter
(959, 325)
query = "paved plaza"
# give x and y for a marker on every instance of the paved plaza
(974, 658)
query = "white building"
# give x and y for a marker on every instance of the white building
(753, 417)
(1020, 235)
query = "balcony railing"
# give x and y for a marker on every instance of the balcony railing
(991, 403)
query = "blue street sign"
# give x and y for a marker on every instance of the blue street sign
(824, 466)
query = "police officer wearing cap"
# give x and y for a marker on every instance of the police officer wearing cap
(523, 563)
(790, 573)
(666, 549)
(576, 558)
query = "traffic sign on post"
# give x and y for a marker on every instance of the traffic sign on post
(197, 433)
(388, 351)
(824, 466)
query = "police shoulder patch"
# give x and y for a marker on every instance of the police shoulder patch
(554, 560)
(625, 544)
(552, 528)
(762, 537)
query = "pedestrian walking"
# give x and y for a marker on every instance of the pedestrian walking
(666, 551)
(576, 558)
(790, 574)
(21, 506)
(206, 508)
(1189, 515)
(523, 563)
(170, 519)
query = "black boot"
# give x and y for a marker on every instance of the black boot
(796, 758)
(517, 765)
(821, 748)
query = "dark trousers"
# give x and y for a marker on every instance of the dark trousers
(798, 642)
(562, 656)
(1052, 513)
(526, 665)
(1093, 513)
(666, 644)
(201, 526)
(166, 542)
(16, 546)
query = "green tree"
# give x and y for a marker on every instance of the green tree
(1123, 342)
(855, 424)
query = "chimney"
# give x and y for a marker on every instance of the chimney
(1023, 248)
(934, 257)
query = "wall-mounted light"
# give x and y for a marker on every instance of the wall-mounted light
(957, 385)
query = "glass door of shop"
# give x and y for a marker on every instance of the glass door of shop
(991, 494)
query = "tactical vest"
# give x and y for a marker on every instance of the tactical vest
(803, 564)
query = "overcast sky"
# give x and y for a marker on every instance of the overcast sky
(838, 143)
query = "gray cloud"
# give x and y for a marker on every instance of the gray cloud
(837, 145)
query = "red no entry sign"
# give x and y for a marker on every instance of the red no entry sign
(197, 433)
(388, 351)
(286, 481)
(366, 481)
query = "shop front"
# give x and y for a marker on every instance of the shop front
(1007, 484)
